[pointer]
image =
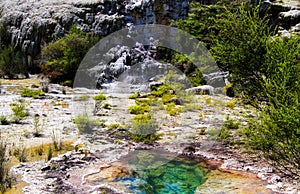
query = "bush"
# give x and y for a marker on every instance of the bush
(19, 112)
(277, 135)
(100, 97)
(161, 90)
(3, 120)
(85, 124)
(138, 109)
(133, 96)
(113, 126)
(240, 48)
(172, 109)
(64, 56)
(32, 93)
(144, 129)
(231, 124)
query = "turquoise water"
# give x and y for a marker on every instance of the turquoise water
(163, 174)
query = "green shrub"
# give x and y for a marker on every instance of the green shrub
(37, 126)
(50, 153)
(64, 56)
(139, 109)
(276, 133)
(231, 124)
(100, 97)
(164, 89)
(106, 106)
(231, 104)
(3, 120)
(172, 109)
(19, 112)
(144, 129)
(32, 93)
(20, 154)
(85, 124)
(10, 63)
(133, 96)
(113, 126)
(167, 97)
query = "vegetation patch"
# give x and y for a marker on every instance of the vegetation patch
(19, 111)
(144, 129)
(139, 109)
(100, 97)
(133, 96)
(86, 124)
(172, 109)
(32, 93)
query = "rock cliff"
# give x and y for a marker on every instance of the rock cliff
(33, 23)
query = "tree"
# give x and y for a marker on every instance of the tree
(64, 55)
(241, 48)
(277, 134)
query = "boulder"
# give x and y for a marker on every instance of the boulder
(202, 90)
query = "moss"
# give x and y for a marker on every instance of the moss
(133, 96)
(32, 93)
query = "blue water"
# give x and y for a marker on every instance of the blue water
(156, 176)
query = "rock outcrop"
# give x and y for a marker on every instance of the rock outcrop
(286, 14)
(35, 23)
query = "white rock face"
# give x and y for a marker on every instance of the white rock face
(33, 23)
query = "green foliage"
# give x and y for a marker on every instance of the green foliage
(161, 90)
(114, 126)
(231, 124)
(133, 96)
(106, 106)
(37, 126)
(139, 109)
(241, 47)
(277, 135)
(144, 129)
(50, 153)
(19, 111)
(9, 62)
(32, 93)
(100, 97)
(3, 120)
(64, 55)
(172, 109)
(85, 124)
(231, 104)
(167, 97)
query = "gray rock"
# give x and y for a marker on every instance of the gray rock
(33, 23)
(202, 90)
(286, 14)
